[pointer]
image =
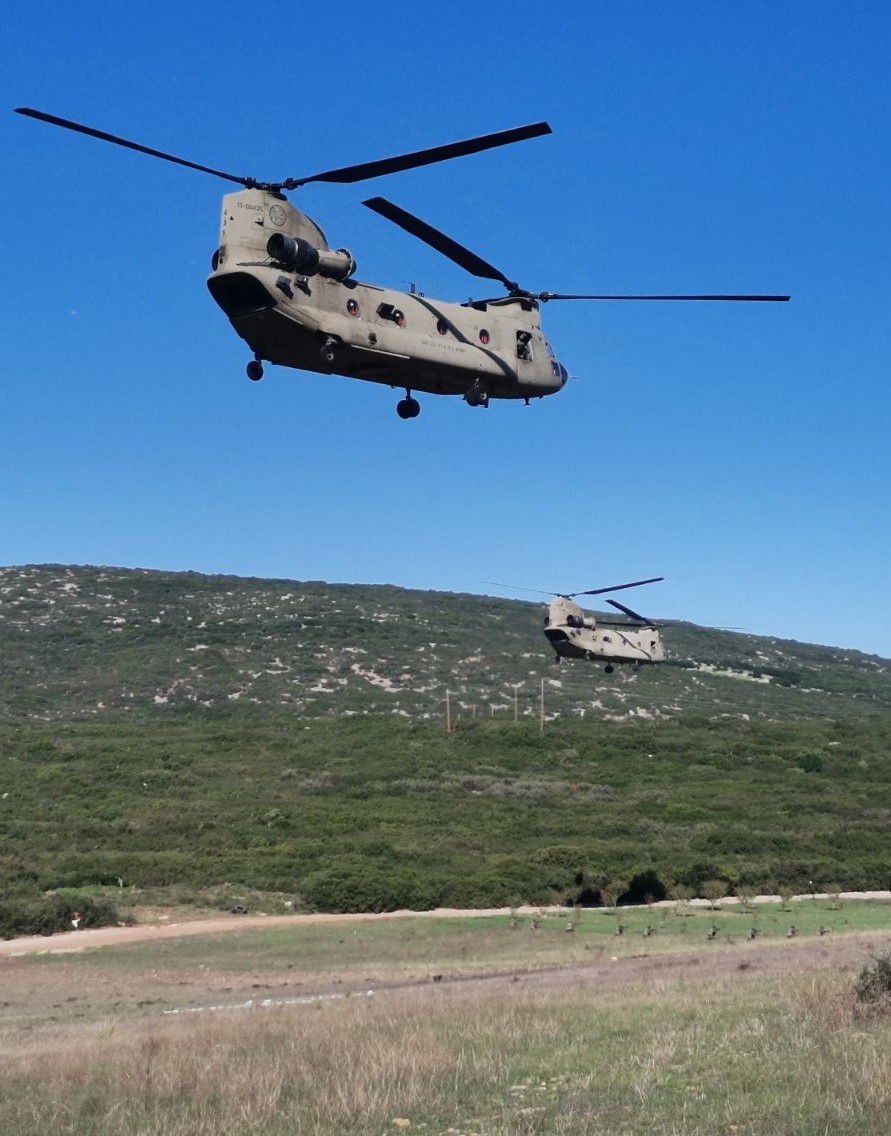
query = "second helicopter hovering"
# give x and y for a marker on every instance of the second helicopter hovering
(574, 634)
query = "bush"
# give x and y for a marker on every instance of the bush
(53, 913)
(873, 987)
(354, 887)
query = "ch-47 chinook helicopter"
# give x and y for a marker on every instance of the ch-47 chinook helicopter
(294, 300)
(576, 635)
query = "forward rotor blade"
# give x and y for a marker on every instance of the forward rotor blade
(104, 137)
(617, 587)
(344, 175)
(545, 296)
(366, 170)
(463, 257)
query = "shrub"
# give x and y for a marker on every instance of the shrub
(53, 913)
(355, 887)
(713, 890)
(873, 986)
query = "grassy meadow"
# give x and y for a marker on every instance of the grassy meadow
(530, 1029)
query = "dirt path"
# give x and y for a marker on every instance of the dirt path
(73, 941)
(68, 942)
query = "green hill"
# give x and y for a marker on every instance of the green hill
(107, 643)
(216, 736)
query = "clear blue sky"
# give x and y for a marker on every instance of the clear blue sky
(739, 450)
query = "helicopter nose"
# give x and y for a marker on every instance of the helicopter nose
(559, 372)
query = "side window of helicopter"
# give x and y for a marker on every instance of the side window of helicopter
(442, 326)
(524, 346)
(607, 639)
(352, 307)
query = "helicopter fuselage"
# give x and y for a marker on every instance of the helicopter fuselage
(574, 634)
(299, 306)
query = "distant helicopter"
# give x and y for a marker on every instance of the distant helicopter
(576, 635)
(294, 301)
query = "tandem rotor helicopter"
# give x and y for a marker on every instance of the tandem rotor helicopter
(574, 634)
(294, 300)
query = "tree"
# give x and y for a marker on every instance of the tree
(713, 890)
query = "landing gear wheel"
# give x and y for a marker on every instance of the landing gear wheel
(408, 408)
(329, 353)
(609, 668)
(477, 395)
(255, 370)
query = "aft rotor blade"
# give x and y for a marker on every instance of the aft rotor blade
(366, 170)
(463, 257)
(629, 612)
(104, 137)
(545, 296)
(617, 587)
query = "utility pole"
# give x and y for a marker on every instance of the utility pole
(448, 714)
(541, 712)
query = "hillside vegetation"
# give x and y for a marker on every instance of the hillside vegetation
(112, 643)
(376, 814)
(220, 736)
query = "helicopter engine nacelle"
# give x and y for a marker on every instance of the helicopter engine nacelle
(300, 256)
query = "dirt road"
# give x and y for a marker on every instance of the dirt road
(163, 927)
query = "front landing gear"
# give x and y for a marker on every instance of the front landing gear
(408, 407)
(255, 370)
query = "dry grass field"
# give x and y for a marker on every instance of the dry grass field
(507, 1024)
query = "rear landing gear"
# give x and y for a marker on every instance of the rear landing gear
(255, 370)
(609, 668)
(408, 407)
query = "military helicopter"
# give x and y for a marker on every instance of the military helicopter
(575, 635)
(294, 300)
